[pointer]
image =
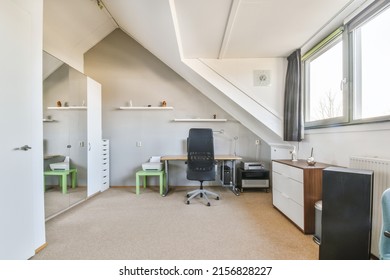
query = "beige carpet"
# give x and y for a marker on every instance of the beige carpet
(118, 225)
(56, 201)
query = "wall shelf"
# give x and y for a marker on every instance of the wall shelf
(68, 108)
(145, 108)
(200, 120)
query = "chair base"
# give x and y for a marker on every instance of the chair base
(202, 193)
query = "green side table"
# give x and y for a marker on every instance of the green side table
(63, 181)
(146, 173)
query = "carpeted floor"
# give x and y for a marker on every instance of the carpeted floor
(56, 201)
(119, 225)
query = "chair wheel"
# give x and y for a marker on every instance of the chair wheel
(217, 198)
(188, 195)
(208, 203)
(201, 195)
(188, 202)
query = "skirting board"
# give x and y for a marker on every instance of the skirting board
(40, 248)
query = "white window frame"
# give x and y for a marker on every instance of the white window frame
(326, 44)
(354, 50)
(349, 65)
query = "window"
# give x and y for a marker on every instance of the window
(346, 80)
(324, 73)
(371, 57)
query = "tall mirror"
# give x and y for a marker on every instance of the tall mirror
(64, 133)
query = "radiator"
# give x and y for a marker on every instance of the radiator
(381, 168)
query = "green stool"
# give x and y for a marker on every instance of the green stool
(64, 174)
(150, 173)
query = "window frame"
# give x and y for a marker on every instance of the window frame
(348, 37)
(331, 42)
(354, 50)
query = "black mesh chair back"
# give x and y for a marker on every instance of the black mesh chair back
(200, 155)
(200, 160)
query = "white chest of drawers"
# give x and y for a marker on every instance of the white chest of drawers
(296, 187)
(105, 164)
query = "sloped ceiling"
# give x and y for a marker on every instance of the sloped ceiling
(232, 28)
(250, 28)
(182, 33)
(204, 28)
(72, 27)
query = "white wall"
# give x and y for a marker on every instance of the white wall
(336, 145)
(241, 73)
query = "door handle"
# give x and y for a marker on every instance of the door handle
(23, 148)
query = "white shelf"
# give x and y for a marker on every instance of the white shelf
(51, 156)
(145, 108)
(200, 120)
(68, 108)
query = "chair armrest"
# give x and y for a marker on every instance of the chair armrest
(387, 233)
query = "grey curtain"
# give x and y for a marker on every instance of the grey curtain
(293, 108)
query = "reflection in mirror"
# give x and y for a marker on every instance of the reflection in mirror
(64, 132)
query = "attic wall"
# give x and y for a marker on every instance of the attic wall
(127, 72)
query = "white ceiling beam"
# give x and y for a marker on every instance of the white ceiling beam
(176, 27)
(229, 27)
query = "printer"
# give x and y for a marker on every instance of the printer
(154, 164)
(61, 165)
(254, 165)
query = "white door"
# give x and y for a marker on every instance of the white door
(16, 79)
(94, 137)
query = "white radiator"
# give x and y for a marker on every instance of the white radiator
(381, 168)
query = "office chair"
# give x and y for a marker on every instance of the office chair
(200, 161)
(384, 239)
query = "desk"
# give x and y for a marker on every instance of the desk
(219, 158)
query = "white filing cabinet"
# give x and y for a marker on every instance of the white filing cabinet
(296, 188)
(105, 164)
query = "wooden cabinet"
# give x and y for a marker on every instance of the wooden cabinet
(296, 188)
